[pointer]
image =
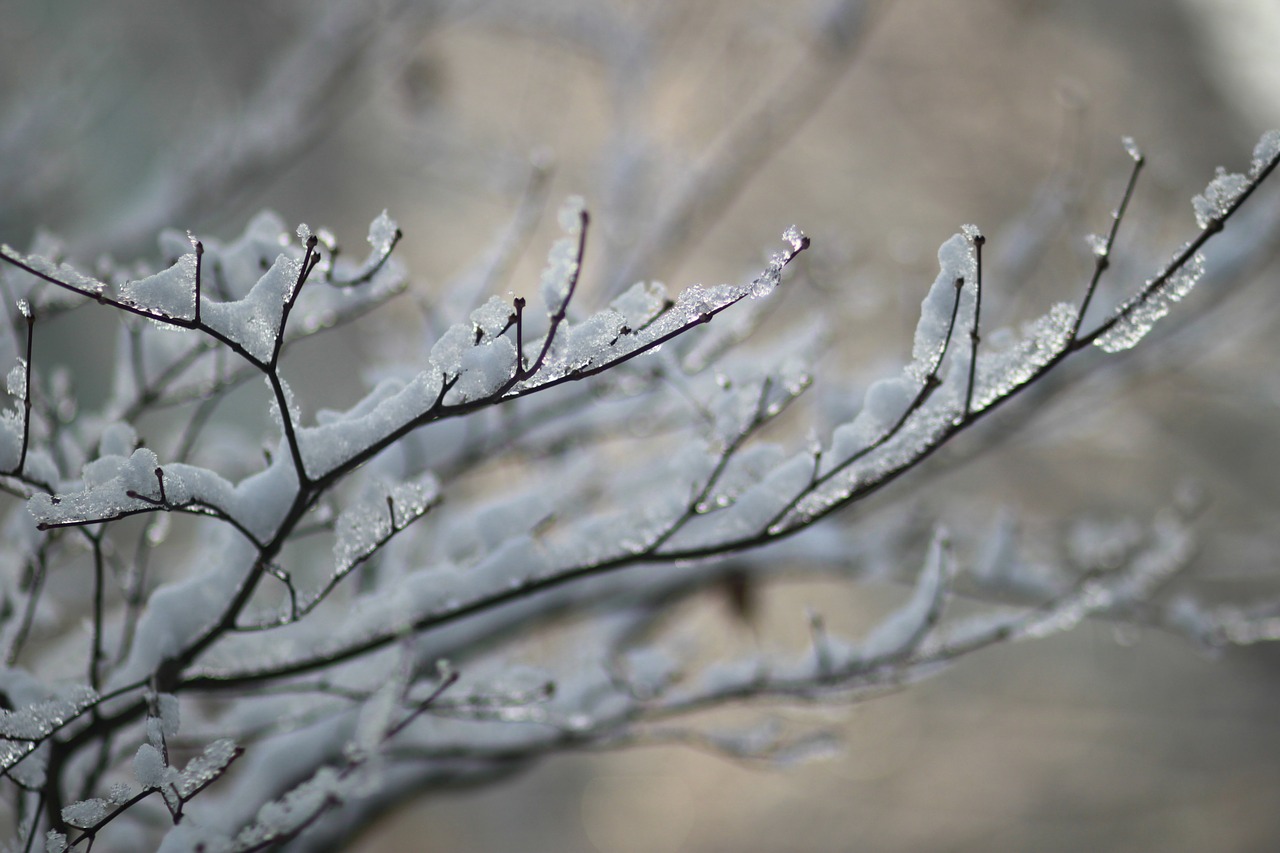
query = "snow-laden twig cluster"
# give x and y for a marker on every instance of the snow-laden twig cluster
(228, 662)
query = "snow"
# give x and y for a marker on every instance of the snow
(361, 527)
(149, 767)
(169, 711)
(65, 273)
(562, 260)
(178, 611)
(168, 293)
(1098, 245)
(584, 342)
(10, 439)
(490, 319)
(1143, 313)
(118, 439)
(16, 381)
(769, 280)
(485, 527)
(1007, 362)
(258, 502)
(254, 321)
(906, 627)
(38, 720)
(757, 505)
(382, 233)
(650, 670)
(1218, 198)
(1264, 153)
(447, 351)
(390, 405)
(884, 404)
(956, 261)
(206, 767)
(642, 302)
(297, 808)
(482, 371)
(1131, 148)
(85, 814)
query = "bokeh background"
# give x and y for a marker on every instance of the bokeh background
(898, 127)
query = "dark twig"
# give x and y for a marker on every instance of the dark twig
(974, 337)
(1102, 252)
(558, 317)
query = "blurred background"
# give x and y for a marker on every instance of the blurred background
(697, 132)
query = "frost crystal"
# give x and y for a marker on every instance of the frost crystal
(1217, 199)
(1137, 316)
